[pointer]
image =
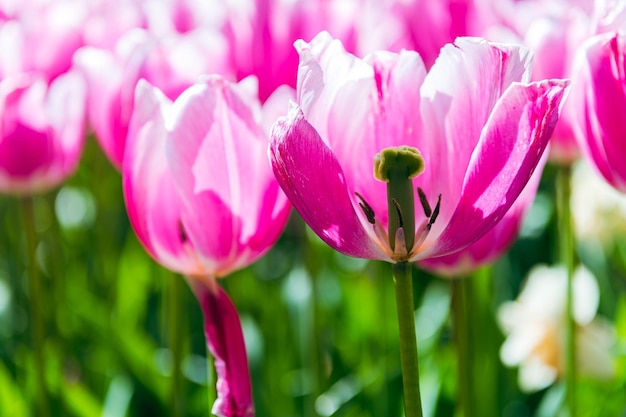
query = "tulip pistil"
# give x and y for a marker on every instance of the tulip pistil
(397, 167)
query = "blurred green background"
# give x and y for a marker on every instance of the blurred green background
(320, 327)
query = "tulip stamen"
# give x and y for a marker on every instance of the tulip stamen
(367, 209)
(435, 214)
(182, 234)
(424, 201)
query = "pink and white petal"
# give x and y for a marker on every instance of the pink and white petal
(510, 147)
(606, 103)
(224, 339)
(495, 242)
(369, 115)
(217, 152)
(311, 177)
(325, 67)
(26, 146)
(276, 105)
(152, 202)
(65, 107)
(103, 73)
(459, 92)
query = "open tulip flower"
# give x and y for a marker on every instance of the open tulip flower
(41, 131)
(474, 124)
(467, 136)
(598, 99)
(203, 201)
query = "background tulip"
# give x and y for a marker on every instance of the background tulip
(171, 62)
(41, 131)
(599, 101)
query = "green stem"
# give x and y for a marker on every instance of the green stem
(176, 344)
(34, 288)
(460, 313)
(567, 259)
(408, 340)
(211, 379)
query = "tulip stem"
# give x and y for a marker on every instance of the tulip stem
(403, 281)
(176, 344)
(34, 288)
(460, 312)
(567, 258)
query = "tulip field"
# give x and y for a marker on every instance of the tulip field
(289, 208)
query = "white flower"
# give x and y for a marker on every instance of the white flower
(599, 210)
(536, 328)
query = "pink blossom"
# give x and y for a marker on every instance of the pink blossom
(172, 63)
(41, 131)
(41, 37)
(480, 127)
(598, 99)
(203, 201)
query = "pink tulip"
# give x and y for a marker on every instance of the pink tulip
(598, 99)
(429, 25)
(480, 127)
(262, 33)
(41, 37)
(172, 63)
(553, 30)
(41, 131)
(203, 201)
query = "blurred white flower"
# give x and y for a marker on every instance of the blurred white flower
(535, 325)
(598, 209)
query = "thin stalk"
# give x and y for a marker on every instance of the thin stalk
(34, 288)
(408, 340)
(566, 246)
(176, 344)
(460, 312)
(211, 378)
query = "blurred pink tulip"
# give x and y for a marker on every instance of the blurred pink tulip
(41, 37)
(429, 25)
(262, 32)
(171, 63)
(598, 99)
(552, 30)
(203, 201)
(41, 131)
(480, 127)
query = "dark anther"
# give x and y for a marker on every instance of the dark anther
(369, 213)
(424, 201)
(181, 232)
(432, 219)
(399, 210)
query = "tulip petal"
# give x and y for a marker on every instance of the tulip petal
(26, 148)
(104, 75)
(225, 341)
(218, 153)
(314, 182)
(510, 147)
(599, 94)
(152, 202)
(460, 92)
